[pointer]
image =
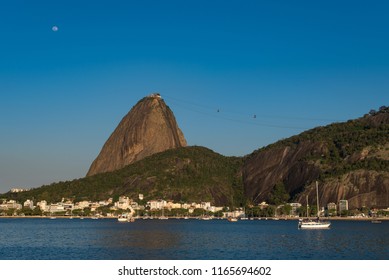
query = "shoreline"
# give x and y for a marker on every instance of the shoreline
(197, 218)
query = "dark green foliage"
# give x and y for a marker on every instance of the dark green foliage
(278, 195)
(341, 141)
(198, 174)
(185, 174)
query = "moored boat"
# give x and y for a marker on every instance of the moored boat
(232, 219)
(314, 224)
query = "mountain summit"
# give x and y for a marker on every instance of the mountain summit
(150, 127)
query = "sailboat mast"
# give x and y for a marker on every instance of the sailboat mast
(307, 208)
(317, 198)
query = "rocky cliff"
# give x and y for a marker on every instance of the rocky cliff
(350, 160)
(150, 127)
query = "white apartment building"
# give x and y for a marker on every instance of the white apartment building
(157, 204)
(56, 207)
(12, 204)
(42, 205)
(172, 205)
(205, 205)
(123, 203)
(82, 204)
(343, 205)
(28, 204)
(295, 206)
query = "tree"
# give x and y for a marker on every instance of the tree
(278, 195)
(285, 209)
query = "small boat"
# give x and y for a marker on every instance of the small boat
(125, 218)
(375, 221)
(232, 219)
(314, 224)
(122, 219)
(206, 218)
(163, 218)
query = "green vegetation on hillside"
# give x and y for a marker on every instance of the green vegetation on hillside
(185, 174)
(344, 142)
(195, 174)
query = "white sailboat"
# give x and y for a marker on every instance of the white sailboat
(127, 217)
(163, 217)
(314, 224)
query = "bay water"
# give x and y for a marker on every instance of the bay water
(107, 239)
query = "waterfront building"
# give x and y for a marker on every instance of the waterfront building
(294, 206)
(156, 204)
(3, 207)
(263, 205)
(185, 206)
(172, 205)
(134, 205)
(331, 208)
(94, 206)
(82, 204)
(42, 205)
(234, 214)
(205, 205)
(56, 207)
(123, 203)
(104, 202)
(12, 204)
(343, 205)
(28, 204)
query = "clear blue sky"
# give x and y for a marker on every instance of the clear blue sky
(293, 64)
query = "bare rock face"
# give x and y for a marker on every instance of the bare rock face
(362, 188)
(262, 171)
(150, 127)
(350, 160)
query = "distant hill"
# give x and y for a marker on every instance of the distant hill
(351, 161)
(150, 127)
(188, 174)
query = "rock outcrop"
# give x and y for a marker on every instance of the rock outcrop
(263, 170)
(150, 127)
(362, 188)
(350, 160)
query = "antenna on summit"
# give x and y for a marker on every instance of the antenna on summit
(155, 95)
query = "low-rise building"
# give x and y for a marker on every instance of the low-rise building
(42, 205)
(294, 207)
(123, 203)
(12, 204)
(82, 204)
(172, 205)
(263, 205)
(56, 207)
(343, 205)
(331, 208)
(18, 190)
(28, 204)
(234, 214)
(156, 204)
(205, 205)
